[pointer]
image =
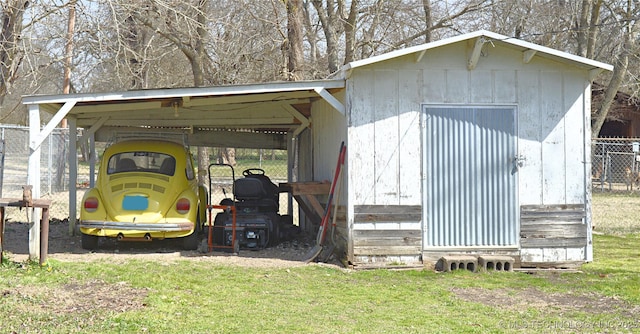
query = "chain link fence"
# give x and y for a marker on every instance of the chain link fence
(615, 164)
(54, 170)
(54, 175)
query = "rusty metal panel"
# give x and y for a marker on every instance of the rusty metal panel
(470, 184)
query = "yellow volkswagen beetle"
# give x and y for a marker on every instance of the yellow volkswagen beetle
(146, 189)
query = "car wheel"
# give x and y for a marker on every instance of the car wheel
(191, 241)
(89, 242)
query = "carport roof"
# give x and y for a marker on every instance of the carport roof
(277, 105)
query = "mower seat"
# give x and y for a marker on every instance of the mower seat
(250, 192)
(249, 189)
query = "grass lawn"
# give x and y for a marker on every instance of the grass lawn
(191, 296)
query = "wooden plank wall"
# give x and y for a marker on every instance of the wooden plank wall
(544, 226)
(387, 230)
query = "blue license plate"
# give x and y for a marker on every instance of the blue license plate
(135, 203)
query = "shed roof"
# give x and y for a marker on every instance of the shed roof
(529, 50)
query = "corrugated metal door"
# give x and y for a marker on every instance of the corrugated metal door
(470, 182)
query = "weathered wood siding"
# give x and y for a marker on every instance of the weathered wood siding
(389, 232)
(553, 234)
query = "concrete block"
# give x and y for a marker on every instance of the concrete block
(496, 262)
(457, 262)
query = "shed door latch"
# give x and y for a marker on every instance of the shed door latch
(518, 161)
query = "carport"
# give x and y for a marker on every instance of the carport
(268, 116)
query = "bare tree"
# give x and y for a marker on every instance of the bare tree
(11, 53)
(428, 20)
(627, 47)
(330, 14)
(68, 49)
(373, 27)
(587, 27)
(294, 39)
(185, 27)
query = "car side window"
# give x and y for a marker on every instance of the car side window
(189, 172)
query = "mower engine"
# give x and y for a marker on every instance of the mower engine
(252, 231)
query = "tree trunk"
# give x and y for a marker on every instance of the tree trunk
(619, 72)
(350, 25)
(428, 21)
(327, 20)
(582, 28)
(294, 38)
(593, 29)
(10, 51)
(198, 79)
(609, 95)
(227, 156)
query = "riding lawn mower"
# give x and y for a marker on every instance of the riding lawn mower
(255, 203)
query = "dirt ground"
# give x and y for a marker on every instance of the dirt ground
(66, 247)
(523, 299)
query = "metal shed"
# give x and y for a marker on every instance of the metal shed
(474, 145)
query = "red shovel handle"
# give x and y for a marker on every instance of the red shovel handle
(327, 212)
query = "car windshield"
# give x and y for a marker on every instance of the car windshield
(142, 161)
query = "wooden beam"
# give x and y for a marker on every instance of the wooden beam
(528, 55)
(301, 97)
(238, 139)
(306, 188)
(241, 122)
(212, 138)
(97, 125)
(331, 100)
(594, 73)
(55, 120)
(254, 110)
(305, 123)
(475, 54)
(99, 108)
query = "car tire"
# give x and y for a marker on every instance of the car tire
(89, 242)
(191, 241)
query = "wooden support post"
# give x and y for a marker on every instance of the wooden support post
(44, 235)
(1, 233)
